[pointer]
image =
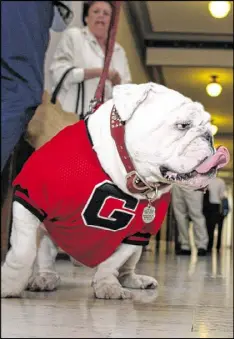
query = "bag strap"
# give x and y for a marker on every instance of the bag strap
(59, 85)
(80, 88)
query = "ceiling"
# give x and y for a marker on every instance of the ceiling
(188, 17)
(182, 46)
(192, 82)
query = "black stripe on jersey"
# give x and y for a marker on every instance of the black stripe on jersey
(87, 130)
(140, 239)
(23, 190)
(135, 242)
(31, 209)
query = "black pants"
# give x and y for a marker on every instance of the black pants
(220, 229)
(5, 178)
(21, 154)
(212, 216)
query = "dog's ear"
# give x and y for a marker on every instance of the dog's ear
(128, 97)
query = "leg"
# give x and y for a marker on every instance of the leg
(24, 151)
(105, 282)
(11, 169)
(45, 277)
(210, 228)
(194, 202)
(180, 212)
(6, 205)
(18, 265)
(220, 229)
(6, 213)
(212, 221)
(129, 279)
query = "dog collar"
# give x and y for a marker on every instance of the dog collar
(134, 182)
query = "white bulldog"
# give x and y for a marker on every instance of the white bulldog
(100, 190)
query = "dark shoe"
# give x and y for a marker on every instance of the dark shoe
(201, 252)
(183, 252)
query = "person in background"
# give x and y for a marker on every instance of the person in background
(215, 210)
(223, 214)
(187, 205)
(84, 49)
(25, 38)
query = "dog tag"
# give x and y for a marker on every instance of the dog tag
(148, 214)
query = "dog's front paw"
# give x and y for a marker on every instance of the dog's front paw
(138, 281)
(110, 288)
(13, 281)
(44, 282)
(111, 291)
(10, 290)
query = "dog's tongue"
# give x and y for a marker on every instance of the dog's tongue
(219, 159)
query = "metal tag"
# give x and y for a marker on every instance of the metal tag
(148, 214)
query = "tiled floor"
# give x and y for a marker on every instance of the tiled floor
(194, 300)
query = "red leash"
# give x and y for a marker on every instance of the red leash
(99, 94)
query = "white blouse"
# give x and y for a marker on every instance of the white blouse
(79, 48)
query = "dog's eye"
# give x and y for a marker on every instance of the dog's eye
(183, 126)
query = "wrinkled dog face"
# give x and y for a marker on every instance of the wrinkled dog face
(190, 144)
(169, 138)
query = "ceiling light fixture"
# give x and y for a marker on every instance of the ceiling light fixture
(219, 9)
(214, 88)
(214, 129)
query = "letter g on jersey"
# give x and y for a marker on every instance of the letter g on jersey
(122, 207)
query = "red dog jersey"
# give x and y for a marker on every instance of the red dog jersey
(86, 215)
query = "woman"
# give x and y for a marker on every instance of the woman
(84, 49)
